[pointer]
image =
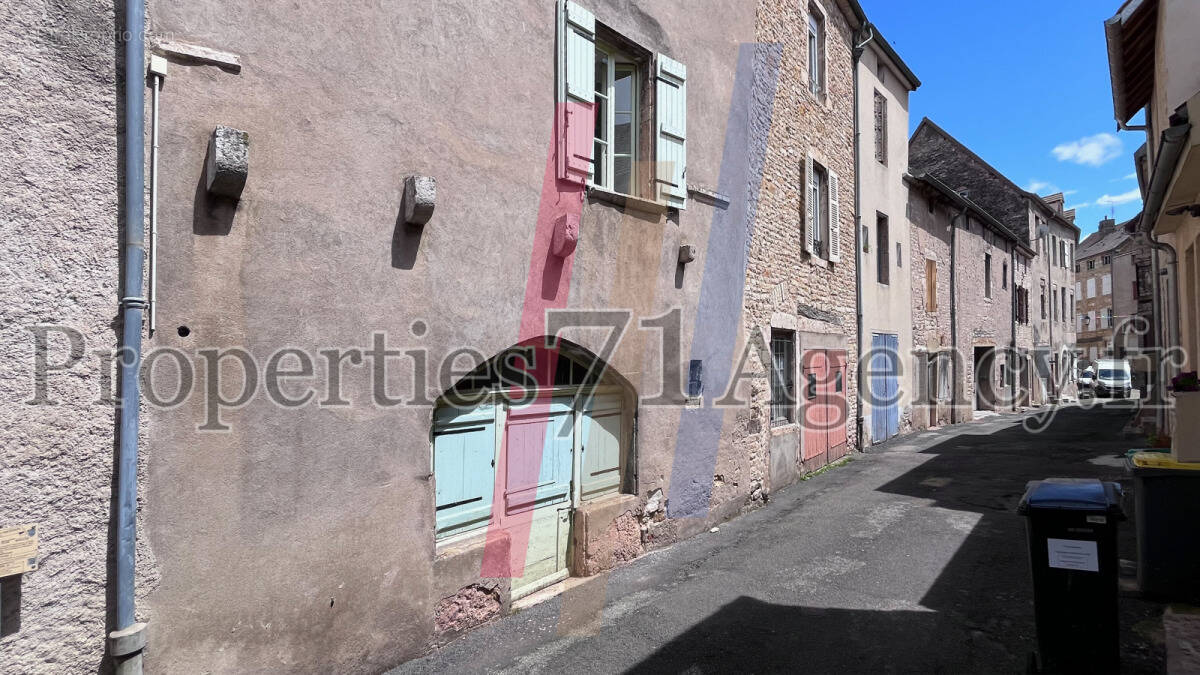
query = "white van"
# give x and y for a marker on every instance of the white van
(1112, 378)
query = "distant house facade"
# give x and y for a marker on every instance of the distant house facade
(1040, 269)
(885, 248)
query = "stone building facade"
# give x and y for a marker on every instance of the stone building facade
(800, 294)
(376, 486)
(1044, 233)
(970, 337)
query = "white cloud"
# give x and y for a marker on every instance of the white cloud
(1041, 187)
(1076, 207)
(1132, 176)
(1117, 200)
(1068, 193)
(1090, 150)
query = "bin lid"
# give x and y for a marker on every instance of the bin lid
(1072, 494)
(1160, 461)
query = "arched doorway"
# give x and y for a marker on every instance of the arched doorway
(520, 443)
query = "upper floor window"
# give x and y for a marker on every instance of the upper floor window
(987, 275)
(882, 268)
(821, 212)
(616, 136)
(1106, 260)
(1091, 264)
(881, 128)
(816, 51)
(622, 112)
(1004, 275)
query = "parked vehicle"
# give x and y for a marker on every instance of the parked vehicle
(1087, 380)
(1112, 378)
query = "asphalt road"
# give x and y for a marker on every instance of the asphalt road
(909, 558)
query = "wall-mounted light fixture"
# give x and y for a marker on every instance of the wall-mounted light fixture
(228, 162)
(420, 193)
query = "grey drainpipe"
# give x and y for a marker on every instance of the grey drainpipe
(1012, 315)
(858, 302)
(1170, 149)
(126, 642)
(954, 313)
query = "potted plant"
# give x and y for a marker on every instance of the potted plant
(1185, 446)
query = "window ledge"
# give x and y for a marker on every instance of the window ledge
(627, 201)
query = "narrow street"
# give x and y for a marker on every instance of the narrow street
(908, 558)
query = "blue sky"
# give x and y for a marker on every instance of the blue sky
(1025, 85)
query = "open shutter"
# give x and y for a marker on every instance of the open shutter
(576, 91)
(835, 220)
(810, 204)
(671, 147)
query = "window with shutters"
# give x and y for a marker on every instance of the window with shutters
(617, 113)
(883, 266)
(930, 285)
(987, 275)
(816, 51)
(783, 377)
(622, 124)
(1106, 284)
(1091, 264)
(821, 212)
(1106, 260)
(881, 128)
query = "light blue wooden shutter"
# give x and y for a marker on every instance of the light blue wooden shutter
(576, 91)
(671, 148)
(600, 432)
(835, 220)
(464, 446)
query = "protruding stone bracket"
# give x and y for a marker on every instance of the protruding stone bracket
(566, 235)
(687, 254)
(420, 194)
(228, 162)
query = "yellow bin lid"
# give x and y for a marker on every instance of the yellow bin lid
(1161, 460)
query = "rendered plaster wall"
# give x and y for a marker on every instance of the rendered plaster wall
(886, 307)
(305, 537)
(60, 247)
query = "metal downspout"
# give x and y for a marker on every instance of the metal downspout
(954, 314)
(858, 244)
(1012, 315)
(126, 642)
(1169, 151)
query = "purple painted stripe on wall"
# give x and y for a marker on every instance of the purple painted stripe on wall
(719, 313)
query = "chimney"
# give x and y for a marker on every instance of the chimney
(1107, 225)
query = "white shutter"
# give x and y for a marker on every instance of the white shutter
(810, 204)
(835, 221)
(1106, 285)
(576, 91)
(671, 148)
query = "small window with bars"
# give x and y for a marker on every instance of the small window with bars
(783, 377)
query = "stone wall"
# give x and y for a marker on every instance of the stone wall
(930, 237)
(781, 277)
(983, 322)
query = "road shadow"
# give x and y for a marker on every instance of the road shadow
(979, 611)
